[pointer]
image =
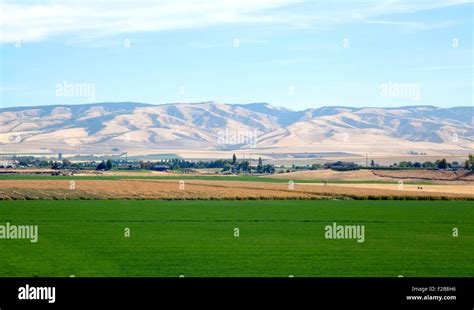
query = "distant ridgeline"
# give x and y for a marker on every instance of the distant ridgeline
(139, 128)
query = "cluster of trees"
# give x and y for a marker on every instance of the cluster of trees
(104, 165)
(176, 164)
(31, 161)
(304, 167)
(438, 164)
(245, 166)
(232, 165)
(469, 163)
(261, 168)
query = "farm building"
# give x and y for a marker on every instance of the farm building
(160, 168)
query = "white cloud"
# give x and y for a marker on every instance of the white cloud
(91, 19)
(417, 26)
(35, 22)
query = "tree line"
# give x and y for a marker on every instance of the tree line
(227, 165)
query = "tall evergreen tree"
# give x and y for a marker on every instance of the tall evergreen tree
(108, 165)
(260, 165)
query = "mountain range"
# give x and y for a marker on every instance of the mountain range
(147, 128)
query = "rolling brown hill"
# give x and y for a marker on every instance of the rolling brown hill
(145, 128)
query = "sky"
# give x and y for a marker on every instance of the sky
(293, 54)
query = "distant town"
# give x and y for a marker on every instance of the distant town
(220, 166)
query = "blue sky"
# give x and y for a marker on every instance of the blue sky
(296, 54)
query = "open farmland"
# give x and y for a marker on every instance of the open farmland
(211, 189)
(414, 175)
(276, 238)
(466, 189)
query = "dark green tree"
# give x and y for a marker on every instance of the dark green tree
(428, 164)
(269, 169)
(442, 164)
(469, 164)
(101, 166)
(260, 165)
(244, 166)
(227, 167)
(66, 164)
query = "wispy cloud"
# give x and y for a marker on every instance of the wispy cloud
(35, 22)
(447, 68)
(227, 44)
(40, 20)
(411, 25)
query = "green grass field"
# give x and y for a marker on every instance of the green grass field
(277, 238)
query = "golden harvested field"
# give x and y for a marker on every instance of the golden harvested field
(437, 175)
(323, 174)
(464, 189)
(331, 175)
(200, 189)
(379, 175)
